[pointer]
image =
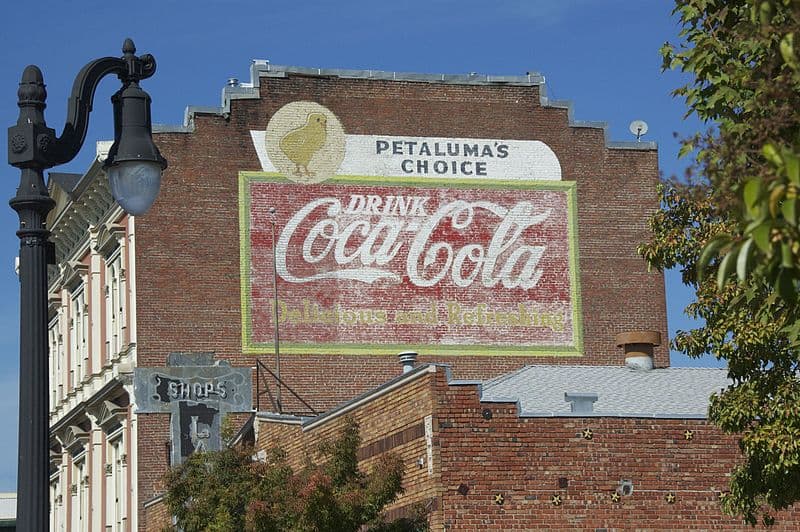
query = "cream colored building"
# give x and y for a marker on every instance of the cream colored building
(92, 337)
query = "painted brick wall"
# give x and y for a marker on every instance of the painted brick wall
(188, 245)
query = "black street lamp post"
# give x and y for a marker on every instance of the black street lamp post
(134, 167)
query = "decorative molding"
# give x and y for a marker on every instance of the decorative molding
(55, 459)
(108, 237)
(89, 205)
(73, 273)
(110, 415)
(75, 439)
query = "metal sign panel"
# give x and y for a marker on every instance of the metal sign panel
(196, 397)
(224, 388)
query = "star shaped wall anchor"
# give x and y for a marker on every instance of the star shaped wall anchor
(499, 499)
(670, 498)
(588, 434)
(556, 500)
(615, 497)
(688, 435)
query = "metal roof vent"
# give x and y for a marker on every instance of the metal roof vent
(581, 403)
(233, 82)
(408, 359)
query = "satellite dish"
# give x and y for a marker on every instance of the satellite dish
(638, 128)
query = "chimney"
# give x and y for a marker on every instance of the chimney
(408, 359)
(638, 346)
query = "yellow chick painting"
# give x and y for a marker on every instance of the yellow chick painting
(302, 143)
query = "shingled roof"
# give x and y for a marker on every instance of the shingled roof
(540, 390)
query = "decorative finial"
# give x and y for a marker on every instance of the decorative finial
(128, 47)
(31, 87)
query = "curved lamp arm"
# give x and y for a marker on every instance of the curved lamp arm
(32, 144)
(128, 68)
(134, 164)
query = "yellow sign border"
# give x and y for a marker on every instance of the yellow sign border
(575, 350)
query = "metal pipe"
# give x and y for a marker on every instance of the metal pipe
(273, 221)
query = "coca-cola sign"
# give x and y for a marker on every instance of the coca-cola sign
(377, 265)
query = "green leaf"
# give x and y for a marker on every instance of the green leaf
(760, 235)
(745, 259)
(710, 251)
(789, 210)
(787, 257)
(775, 198)
(792, 163)
(726, 267)
(751, 195)
(772, 155)
(784, 285)
(787, 50)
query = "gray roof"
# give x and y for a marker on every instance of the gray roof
(621, 392)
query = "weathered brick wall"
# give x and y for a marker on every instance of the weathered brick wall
(526, 461)
(157, 518)
(153, 460)
(188, 296)
(390, 423)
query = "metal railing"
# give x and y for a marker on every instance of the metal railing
(262, 381)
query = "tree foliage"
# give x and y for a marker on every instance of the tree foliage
(231, 491)
(731, 226)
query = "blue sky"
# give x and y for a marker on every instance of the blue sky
(601, 55)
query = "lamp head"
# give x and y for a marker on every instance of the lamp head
(134, 164)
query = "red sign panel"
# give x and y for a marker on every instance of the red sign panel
(384, 264)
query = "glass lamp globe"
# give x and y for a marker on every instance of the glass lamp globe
(135, 184)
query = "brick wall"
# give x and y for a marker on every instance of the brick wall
(156, 516)
(392, 422)
(188, 245)
(529, 461)
(493, 470)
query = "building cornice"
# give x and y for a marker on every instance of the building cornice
(261, 68)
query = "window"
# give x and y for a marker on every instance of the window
(79, 332)
(115, 305)
(79, 493)
(56, 505)
(56, 357)
(116, 484)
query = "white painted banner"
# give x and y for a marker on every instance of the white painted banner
(439, 157)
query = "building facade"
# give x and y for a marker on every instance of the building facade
(346, 216)
(92, 339)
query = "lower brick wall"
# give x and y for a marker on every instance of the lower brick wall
(156, 515)
(527, 463)
(154, 436)
(389, 423)
(493, 470)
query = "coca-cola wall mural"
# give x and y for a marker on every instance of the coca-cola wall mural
(458, 246)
